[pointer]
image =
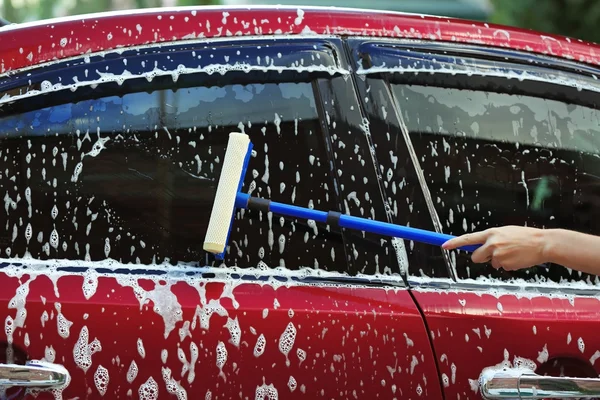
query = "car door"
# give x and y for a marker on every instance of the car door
(109, 168)
(473, 138)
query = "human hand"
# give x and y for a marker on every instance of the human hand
(508, 247)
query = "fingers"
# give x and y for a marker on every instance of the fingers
(466, 240)
(496, 263)
(482, 254)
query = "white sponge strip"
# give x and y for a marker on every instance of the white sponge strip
(222, 211)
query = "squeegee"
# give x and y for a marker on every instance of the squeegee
(229, 197)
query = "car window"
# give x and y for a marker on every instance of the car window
(492, 158)
(398, 184)
(133, 177)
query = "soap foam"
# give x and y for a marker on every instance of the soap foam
(101, 379)
(266, 392)
(148, 390)
(132, 371)
(259, 348)
(286, 341)
(83, 351)
(221, 358)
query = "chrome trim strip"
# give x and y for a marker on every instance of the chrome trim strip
(182, 271)
(524, 288)
(34, 374)
(521, 383)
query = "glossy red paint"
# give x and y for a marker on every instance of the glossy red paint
(331, 334)
(473, 330)
(27, 45)
(348, 342)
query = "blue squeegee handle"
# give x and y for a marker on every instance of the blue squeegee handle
(244, 200)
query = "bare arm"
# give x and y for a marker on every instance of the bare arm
(517, 247)
(575, 250)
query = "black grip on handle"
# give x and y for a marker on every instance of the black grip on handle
(256, 203)
(333, 218)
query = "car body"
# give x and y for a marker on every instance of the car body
(114, 128)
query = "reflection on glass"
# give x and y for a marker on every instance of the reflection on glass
(132, 178)
(493, 159)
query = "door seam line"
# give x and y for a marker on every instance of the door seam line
(431, 345)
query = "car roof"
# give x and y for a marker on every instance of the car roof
(30, 44)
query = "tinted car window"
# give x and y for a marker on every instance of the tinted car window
(493, 159)
(133, 177)
(398, 181)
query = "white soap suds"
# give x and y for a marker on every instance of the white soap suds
(49, 354)
(173, 386)
(101, 380)
(18, 303)
(140, 348)
(292, 384)
(148, 390)
(90, 283)
(83, 350)
(234, 330)
(213, 306)
(132, 371)
(413, 363)
(453, 370)
(300, 16)
(543, 355)
(221, 358)
(266, 392)
(595, 357)
(63, 325)
(286, 341)
(259, 347)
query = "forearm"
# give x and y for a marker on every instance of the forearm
(572, 249)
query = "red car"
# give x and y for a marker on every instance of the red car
(113, 129)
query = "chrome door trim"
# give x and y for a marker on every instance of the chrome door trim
(525, 288)
(521, 383)
(34, 374)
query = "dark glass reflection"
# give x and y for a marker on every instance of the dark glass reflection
(133, 178)
(493, 159)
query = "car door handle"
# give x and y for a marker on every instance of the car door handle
(522, 383)
(34, 374)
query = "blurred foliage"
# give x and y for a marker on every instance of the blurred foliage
(575, 18)
(196, 2)
(29, 10)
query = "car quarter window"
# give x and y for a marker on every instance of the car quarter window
(132, 176)
(494, 154)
